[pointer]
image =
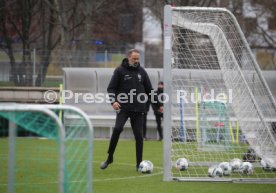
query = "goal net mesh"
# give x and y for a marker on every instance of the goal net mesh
(221, 107)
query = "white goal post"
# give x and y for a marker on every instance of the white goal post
(220, 107)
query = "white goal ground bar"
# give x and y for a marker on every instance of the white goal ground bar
(247, 180)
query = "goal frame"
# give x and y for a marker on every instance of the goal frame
(51, 112)
(167, 66)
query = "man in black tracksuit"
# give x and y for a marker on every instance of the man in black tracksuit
(130, 80)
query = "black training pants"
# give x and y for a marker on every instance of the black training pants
(136, 120)
(145, 125)
(158, 118)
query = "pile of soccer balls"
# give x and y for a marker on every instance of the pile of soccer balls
(226, 168)
(215, 171)
(268, 164)
(222, 169)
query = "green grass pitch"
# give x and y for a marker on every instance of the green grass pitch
(119, 177)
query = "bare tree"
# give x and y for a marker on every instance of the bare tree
(68, 25)
(71, 21)
(19, 19)
(259, 25)
(6, 44)
(267, 10)
(43, 24)
(48, 40)
(26, 10)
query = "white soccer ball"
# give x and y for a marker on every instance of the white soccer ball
(226, 168)
(146, 167)
(267, 164)
(215, 172)
(246, 168)
(181, 164)
(235, 164)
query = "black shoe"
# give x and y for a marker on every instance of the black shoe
(137, 168)
(105, 164)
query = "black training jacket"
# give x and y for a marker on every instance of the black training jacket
(124, 79)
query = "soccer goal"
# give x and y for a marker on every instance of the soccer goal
(57, 157)
(220, 109)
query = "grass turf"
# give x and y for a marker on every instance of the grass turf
(119, 177)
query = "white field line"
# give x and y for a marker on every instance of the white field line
(99, 180)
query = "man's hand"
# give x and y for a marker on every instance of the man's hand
(161, 109)
(116, 106)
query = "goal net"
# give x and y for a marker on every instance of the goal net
(220, 108)
(57, 157)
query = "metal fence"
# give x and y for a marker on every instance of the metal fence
(38, 67)
(44, 68)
